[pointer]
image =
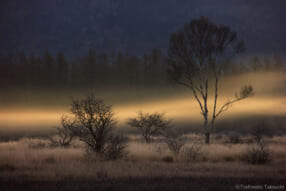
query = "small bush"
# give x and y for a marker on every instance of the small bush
(168, 159)
(174, 140)
(175, 145)
(191, 153)
(115, 148)
(149, 125)
(257, 154)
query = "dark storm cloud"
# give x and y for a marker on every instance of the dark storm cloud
(135, 25)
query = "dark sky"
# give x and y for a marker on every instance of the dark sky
(74, 26)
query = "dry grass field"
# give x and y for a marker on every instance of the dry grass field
(31, 164)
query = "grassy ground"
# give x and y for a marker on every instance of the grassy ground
(30, 164)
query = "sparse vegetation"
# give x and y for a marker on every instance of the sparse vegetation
(18, 159)
(192, 152)
(175, 145)
(174, 140)
(149, 125)
(258, 153)
(65, 133)
(93, 123)
(115, 147)
(14, 152)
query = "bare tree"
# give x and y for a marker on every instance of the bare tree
(94, 121)
(197, 55)
(149, 125)
(65, 133)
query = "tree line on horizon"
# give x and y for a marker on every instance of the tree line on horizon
(101, 70)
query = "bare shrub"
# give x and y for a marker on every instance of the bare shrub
(175, 145)
(149, 125)
(115, 147)
(94, 121)
(192, 152)
(93, 124)
(258, 153)
(174, 140)
(65, 133)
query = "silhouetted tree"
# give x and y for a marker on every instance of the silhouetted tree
(24, 67)
(94, 121)
(103, 71)
(48, 70)
(197, 54)
(35, 70)
(256, 64)
(76, 73)
(7, 67)
(267, 64)
(149, 125)
(278, 62)
(62, 69)
(89, 64)
(94, 70)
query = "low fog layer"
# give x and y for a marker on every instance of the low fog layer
(35, 110)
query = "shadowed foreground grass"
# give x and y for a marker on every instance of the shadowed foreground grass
(164, 183)
(30, 164)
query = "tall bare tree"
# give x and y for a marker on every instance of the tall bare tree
(197, 55)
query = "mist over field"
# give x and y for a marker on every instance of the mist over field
(41, 110)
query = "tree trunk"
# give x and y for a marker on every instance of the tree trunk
(207, 130)
(207, 138)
